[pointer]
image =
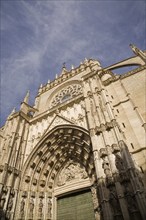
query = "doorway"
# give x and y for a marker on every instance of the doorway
(75, 206)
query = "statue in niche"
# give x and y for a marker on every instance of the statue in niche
(49, 208)
(113, 199)
(2, 201)
(71, 172)
(9, 208)
(31, 207)
(119, 163)
(131, 202)
(40, 210)
(22, 205)
(101, 104)
(106, 167)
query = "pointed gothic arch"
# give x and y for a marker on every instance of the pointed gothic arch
(64, 147)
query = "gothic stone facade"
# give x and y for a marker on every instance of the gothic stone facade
(85, 133)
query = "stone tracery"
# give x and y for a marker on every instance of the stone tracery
(66, 94)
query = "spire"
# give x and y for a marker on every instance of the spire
(26, 99)
(138, 52)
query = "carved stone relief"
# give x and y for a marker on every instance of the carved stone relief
(31, 207)
(22, 206)
(49, 208)
(58, 121)
(72, 172)
(10, 206)
(40, 208)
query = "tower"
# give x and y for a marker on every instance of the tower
(79, 152)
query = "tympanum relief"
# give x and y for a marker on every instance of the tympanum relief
(72, 172)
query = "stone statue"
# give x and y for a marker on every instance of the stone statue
(119, 163)
(2, 201)
(22, 205)
(10, 204)
(113, 199)
(49, 208)
(106, 167)
(31, 207)
(131, 202)
(9, 208)
(40, 207)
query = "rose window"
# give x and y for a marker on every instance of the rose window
(66, 94)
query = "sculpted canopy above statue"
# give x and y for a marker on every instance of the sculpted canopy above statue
(66, 94)
(72, 172)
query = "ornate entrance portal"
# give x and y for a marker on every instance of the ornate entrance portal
(60, 164)
(77, 206)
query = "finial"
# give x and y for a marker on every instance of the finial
(85, 60)
(48, 80)
(56, 76)
(26, 99)
(13, 111)
(72, 67)
(138, 52)
(41, 86)
(64, 65)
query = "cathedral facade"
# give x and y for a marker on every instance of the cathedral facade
(79, 153)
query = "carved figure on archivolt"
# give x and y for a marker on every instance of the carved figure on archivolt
(73, 171)
(40, 208)
(49, 208)
(31, 207)
(22, 205)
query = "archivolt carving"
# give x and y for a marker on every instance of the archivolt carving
(66, 94)
(73, 171)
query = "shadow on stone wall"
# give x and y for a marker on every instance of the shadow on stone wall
(3, 215)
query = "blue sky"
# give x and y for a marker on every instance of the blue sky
(37, 36)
